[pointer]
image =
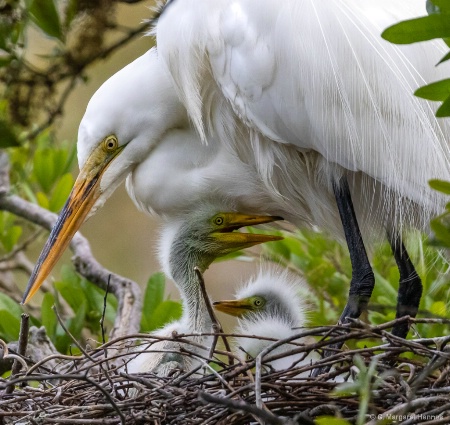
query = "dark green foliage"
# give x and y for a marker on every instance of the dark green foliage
(45, 15)
(157, 311)
(441, 224)
(86, 302)
(325, 265)
(7, 136)
(434, 26)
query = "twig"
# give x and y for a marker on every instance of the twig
(102, 320)
(23, 341)
(61, 322)
(284, 392)
(22, 348)
(267, 417)
(217, 328)
(77, 377)
(57, 111)
(126, 291)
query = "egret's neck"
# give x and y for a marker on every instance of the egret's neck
(183, 260)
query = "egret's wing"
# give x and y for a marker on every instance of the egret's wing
(317, 75)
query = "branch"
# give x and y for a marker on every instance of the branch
(127, 292)
(268, 418)
(22, 347)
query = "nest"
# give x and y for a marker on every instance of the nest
(390, 380)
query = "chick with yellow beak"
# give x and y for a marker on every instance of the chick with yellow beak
(272, 307)
(194, 239)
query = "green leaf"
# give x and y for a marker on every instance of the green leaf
(68, 274)
(444, 109)
(8, 138)
(10, 237)
(71, 12)
(48, 316)
(440, 185)
(439, 90)
(385, 286)
(42, 200)
(61, 192)
(331, 420)
(418, 29)
(166, 312)
(444, 59)
(44, 170)
(59, 161)
(154, 295)
(45, 15)
(442, 232)
(7, 303)
(76, 323)
(9, 325)
(72, 294)
(438, 308)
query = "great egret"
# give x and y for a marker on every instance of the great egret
(194, 240)
(269, 306)
(302, 104)
(315, 77)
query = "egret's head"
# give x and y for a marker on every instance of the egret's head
(124, 121)
(274, 293)
(244, 307)
(217, 236)
(202, 236)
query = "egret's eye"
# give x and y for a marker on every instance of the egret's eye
(110, 144)
(257, 302)
(218, 221)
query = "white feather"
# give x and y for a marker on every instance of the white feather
(316, 76)
(273, 283)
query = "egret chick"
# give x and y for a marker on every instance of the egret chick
(269, 306)
(194, 240)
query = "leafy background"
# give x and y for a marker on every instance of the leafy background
(42, 164)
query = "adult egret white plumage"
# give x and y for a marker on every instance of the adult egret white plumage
(308, 115)
(314, 78)
(269, 306)
(194, 240)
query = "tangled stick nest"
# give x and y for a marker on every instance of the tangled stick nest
(410, 379)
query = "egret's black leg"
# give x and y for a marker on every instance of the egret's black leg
(363, 279)
(410, 286)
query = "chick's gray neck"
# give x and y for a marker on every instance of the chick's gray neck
(183, 259)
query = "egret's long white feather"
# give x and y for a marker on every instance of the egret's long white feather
(316, 76)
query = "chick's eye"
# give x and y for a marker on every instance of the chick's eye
(218, 221)
(110, 143)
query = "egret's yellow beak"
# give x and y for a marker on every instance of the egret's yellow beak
(233, 307)
(235, 240)
(85, 192)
